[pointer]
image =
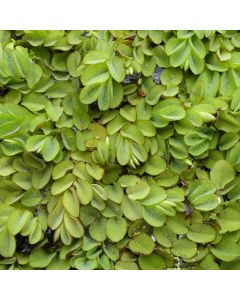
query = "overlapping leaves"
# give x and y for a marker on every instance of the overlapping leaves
(119, 149)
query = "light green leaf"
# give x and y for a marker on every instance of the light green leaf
(116, 228)
(84, 191)
(155, 165)
(71, 203)
(8, 126)
(154, 216)
(164, 236)
(61, 169)
(141, 243)
(90, 93)
(235, 104)
(62, 184)
(95, 56)
(201, 233)
(123, 151)
(139, 191)
(184, 248)
(73, 226)
(126, 265)
(226, 250)
(82, 264)
(97, 229)
(7, 243)
(17, 220)
(132, 209)
(50, 148)
(95, 74)
(40, 258)
(229, 220)
(116, 68)
(59, 90)
(221, 174)
(152, 262)
(34, 74)
(156, 195)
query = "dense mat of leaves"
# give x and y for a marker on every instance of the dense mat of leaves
(119, 150)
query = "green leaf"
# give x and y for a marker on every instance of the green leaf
(40, 258)
(171, 76)
(164, 236)
(105, 95)
(128, 112)
(40, 178)
(132, 209)
(155, 165)
(229, 220)
(62, 184)
(115, 192)
(54, 109)
(116, 229)
(138, 151)
(35, 143)
(171, 113)
(99, 191)
(90, 93)
(221, 173)
(8, 126)
(61, 169)
(59, 90)
(132, 132)
(73, 226)
(154, 216)
(139, 191)
(95, 56)
(58, 264)
(126, 265)
(82, 264)
(55, 217)
(34, 101)
(71, 203)
(31, 198)
(156, 195)
(116, 68)
(152, 262)
(23, 180)
(184, 248)
(228, 140)
(141, 243)
(173, 45)
(233, 155)
(95, 171)
(111, 251)
(226, 250)
(6, 166)
(73, 64)
(180, 56)
(149, 65)
(97, 229)
(34, 74)
(123, 151)
(201, 195)
(201, 233)
(17, 220)
(36, 234)
(7, 243)
(84, 191)
(178, 224)
(50, 148)
(196, 63)
(95, 74)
